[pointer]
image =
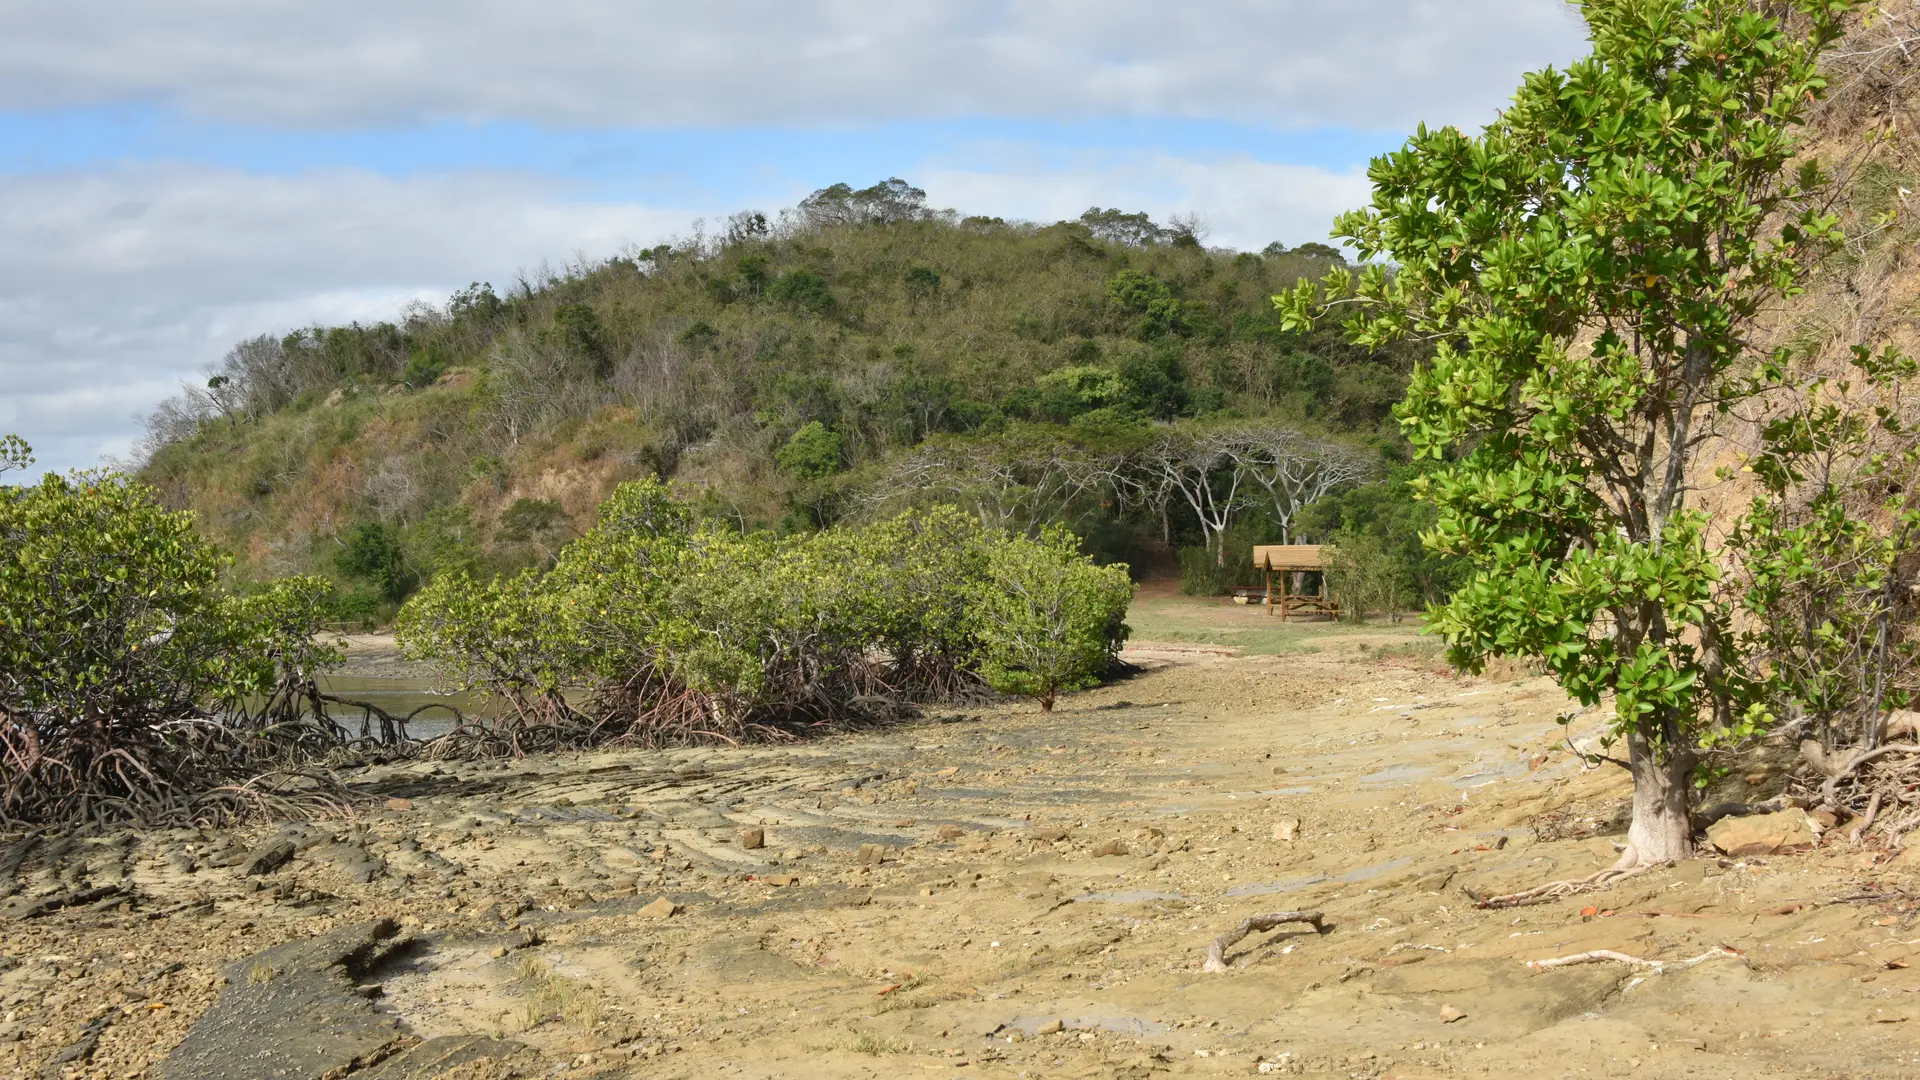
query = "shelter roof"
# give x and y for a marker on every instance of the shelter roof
(1288, 557)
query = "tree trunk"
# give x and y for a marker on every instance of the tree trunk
(1661, 831)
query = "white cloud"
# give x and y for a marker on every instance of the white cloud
(1377, 64)
(1244, 203)
(115, 286)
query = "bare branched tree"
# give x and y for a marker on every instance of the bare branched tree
(1020, 481)
(1293, 468)
(1199, 466)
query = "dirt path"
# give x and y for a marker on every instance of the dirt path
(1001, 894)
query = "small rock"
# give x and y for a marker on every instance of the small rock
(661, 908)
(951, 832)
(1111, 847)
(268, 858)
(1825, 818)
(872, 854)
(399, 804)
(1286, 829)
(904, 823)
(753, 839)
(1449, 1014)
(1763, 834)
(780, 879)
(620, 856)
(1050, 834)
(1051, 1027)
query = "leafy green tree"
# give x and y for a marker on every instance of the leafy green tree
(755, 274)
(576, 330)
(1067, 393)
(14, 453)
(803, 290)
(426, 364)
(812, 452)
(1387, 517)
(1150, 301)
(1118, 227)
(372, 553)
(1048, 620)
(1156, 383)
(1591, 268)
(504, 637)
(923, 284)
(123, 664)
(1828, 573)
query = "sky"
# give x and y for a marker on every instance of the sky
(176, 175)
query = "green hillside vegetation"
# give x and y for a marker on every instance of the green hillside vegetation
(783, 374)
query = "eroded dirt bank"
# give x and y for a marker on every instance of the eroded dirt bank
(988, 894)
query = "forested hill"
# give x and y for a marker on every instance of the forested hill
(854, 353)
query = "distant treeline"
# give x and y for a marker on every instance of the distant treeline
(841, 360)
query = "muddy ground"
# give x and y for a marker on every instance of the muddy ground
(989, 893)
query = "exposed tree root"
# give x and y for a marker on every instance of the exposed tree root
(1217, 955)
(1628, 866)
(1598, 955)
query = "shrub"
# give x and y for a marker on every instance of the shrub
(811, 453)
(651, 630)
(372, 553)
(125, 670)
(1364, 575)
(1047, 618)
(1201, 574)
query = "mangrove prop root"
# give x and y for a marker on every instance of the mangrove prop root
(1217, 955)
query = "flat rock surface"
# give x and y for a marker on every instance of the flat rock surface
(990, 938)
(290, 1013)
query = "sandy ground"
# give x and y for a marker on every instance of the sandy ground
(1004, 894)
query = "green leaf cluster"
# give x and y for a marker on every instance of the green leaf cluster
(117, 639)
(1589, 270)
(668, 629)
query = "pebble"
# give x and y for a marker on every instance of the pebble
(1286, 830)
(872, 854)
(1051, 1027)
(661, 908)
(753, 839)
(1448, 1014)
(1111, 847)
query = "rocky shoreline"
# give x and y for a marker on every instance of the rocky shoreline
(993, 893)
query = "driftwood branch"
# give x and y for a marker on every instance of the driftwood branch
(1608, 955)
(1217, 955)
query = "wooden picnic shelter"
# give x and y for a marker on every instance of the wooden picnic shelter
(1286, 560)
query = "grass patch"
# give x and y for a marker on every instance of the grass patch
(876, 1045)
(551, 994)
(1211, 621)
